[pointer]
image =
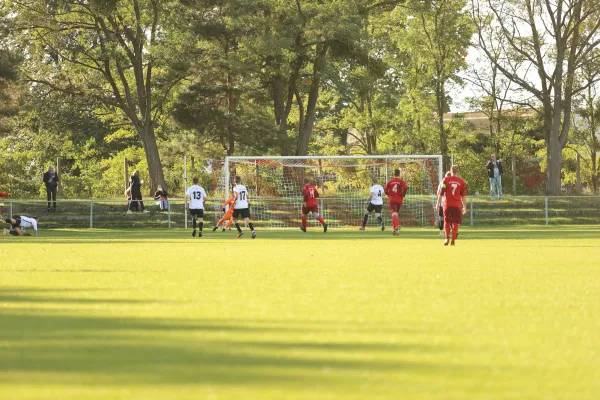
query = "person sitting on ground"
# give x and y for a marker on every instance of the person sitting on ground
(161, 198)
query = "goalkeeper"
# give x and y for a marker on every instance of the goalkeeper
(227, 218)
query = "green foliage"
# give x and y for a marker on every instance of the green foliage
(244, 77)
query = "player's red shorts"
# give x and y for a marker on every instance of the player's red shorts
(395, 206)
(307, 209)
(453, 215)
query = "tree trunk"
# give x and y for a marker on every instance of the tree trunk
(146, 134)
(231, 104)
(594, 174)
(554, 153)
(305, 133)
(441, 108)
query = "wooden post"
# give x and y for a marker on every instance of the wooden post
(193, 164)
(126, 172)
(59, 187)
(514, 173)
(321, 186)
(256, 174)
(578, 174)
(321, 183)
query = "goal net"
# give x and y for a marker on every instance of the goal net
(275, 187)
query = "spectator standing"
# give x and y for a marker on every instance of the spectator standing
(51, 181)
(135, 186)
(161, 198)
(495, 171)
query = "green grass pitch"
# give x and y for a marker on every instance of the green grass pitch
(506, 314)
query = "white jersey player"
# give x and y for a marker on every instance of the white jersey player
(241, 207)
(375, 204)
(20, 224)
(197, 196)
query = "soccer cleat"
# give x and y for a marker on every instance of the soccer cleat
(382, 227)
(224, 229)
(215, 228)
(129, 212)
(446, 241)
(441, 233)
(452, 244)
(253, 235)
(395, 232)
(194, 233)
(362, 228)
(240, 235)
(325, 228)
(303, 229)
(199, 234)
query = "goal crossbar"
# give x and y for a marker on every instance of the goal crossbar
(230, 159)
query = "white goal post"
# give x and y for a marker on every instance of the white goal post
(275, 186)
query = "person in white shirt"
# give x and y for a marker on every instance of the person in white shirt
(197, 196)
(375, 204)
(20, 224)
(241, 207)
(441, 205)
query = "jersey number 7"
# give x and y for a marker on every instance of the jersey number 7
(454, 187)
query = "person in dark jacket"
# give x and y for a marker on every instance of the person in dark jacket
(495, 171)
(161, 198)
(135, 185)
(51, 181)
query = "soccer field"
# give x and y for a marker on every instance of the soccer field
(506, 314)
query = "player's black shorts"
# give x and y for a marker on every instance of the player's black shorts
(197, 212)
(375, 207)
(17, 223)
(241, 213)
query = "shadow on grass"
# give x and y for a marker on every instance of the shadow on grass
(104, 350)
(24, 295)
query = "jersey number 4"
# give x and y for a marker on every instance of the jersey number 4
(197, 195)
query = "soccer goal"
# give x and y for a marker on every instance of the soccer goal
(275, 187)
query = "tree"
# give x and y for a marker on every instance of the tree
(492, 94)
(552, 41)
(587, 128)
(223, 101)
(126, 55)
(9, 73)
(436, 38)
(296, 43)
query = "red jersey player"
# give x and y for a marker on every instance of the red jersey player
(396, 189)
(454, 190)
(310, 195)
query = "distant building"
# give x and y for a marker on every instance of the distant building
(482, 122)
